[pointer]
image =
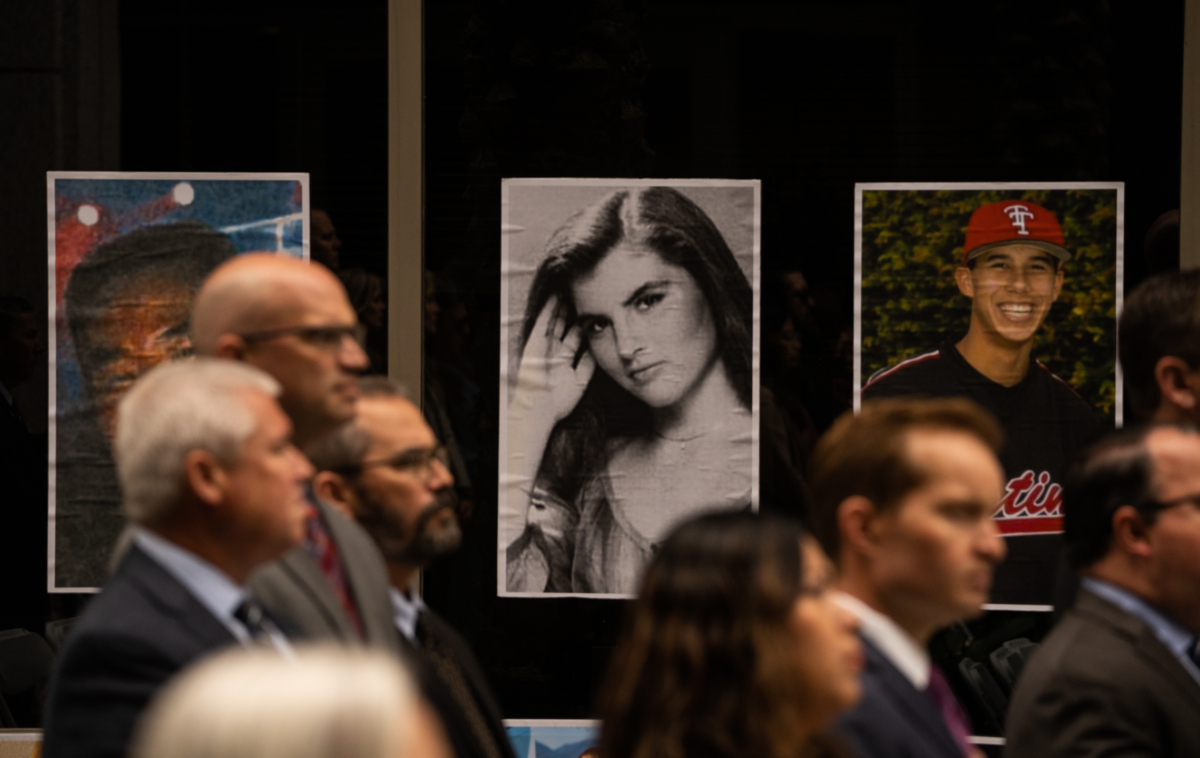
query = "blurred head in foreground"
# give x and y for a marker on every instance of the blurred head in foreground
(733, 646)
(327, 702)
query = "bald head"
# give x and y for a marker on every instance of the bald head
(293, 321)
(255, 293)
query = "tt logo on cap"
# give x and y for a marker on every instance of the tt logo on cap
(1019, 215)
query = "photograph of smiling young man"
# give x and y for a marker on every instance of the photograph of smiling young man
(1012, 267)
(629, 400)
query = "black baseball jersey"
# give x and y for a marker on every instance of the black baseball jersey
(1045, 424)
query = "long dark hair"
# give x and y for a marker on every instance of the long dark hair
(664, 220)
(705, 667)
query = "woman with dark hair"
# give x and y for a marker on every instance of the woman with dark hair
(642, 287)
(732, 648)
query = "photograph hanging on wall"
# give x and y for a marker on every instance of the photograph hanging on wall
(629, 373)
(127, 252)
(546, 738)
(1006, 294)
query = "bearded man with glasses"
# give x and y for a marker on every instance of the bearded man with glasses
(387, 470)
(295, 322)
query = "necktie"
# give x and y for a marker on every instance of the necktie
(952, 713)
(321, 545)
(435, 651)
(262, 630)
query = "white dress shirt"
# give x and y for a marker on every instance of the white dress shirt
(897, 645)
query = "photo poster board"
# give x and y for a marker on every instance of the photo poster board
(634, 403)
(20, 743)
(127, 252)
(911, 312)
(548, 738)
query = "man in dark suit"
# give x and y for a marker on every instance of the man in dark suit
(215, 488)
(388, 471)
(1118, 675)
(903, 499)
(295, 322)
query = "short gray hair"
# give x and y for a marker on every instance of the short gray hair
(345, 449)
(328, 702)
(171, 410)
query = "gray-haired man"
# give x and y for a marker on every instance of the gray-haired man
(214, 486)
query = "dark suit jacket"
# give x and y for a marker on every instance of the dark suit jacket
(894, 719)
(1103, 684)
(139, 632)
(458, 730)
(294, 587)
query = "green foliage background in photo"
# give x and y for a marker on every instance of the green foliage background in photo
(912, 241)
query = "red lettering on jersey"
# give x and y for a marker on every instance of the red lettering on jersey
(1032, 504)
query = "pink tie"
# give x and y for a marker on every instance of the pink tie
(952, 713)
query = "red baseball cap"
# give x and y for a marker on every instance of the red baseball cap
(1014, 221)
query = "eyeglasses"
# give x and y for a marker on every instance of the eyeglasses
(328, 338)
(1152, 506)
(416, 461)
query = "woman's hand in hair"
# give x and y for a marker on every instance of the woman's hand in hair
(554, 371)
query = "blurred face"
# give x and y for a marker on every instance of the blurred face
(647, 324)
(319, 376)
(828, 649)
(936, 550)
(1174, 537)
(264, 499)
(326, 247)
(405, 497)
(147, 324)
(20, 350)
(1011, 290)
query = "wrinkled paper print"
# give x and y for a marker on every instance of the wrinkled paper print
(629, 364)
(950, 275)
(127, 252)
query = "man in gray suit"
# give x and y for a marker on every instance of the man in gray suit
(295, 322)
(1118, 675)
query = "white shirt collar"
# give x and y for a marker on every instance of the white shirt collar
(405, 610)
(211, 586)
(897, 645)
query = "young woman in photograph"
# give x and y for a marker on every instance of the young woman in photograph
(732, 648)
(632, 403)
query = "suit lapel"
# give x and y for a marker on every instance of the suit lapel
(373, 603)
(165, 591)
(307, 576)
(923, 715)
(1144, 640)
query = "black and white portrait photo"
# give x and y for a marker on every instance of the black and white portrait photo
(629, 351)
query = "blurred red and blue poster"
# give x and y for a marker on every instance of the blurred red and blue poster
(550, 738)
(127, 252)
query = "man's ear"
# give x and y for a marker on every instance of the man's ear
(335, 490)
(856, 520)
(1059, 275)
(231, 347)
(205, 476)
(962, 277)
(1173, 376)
(1130, 533)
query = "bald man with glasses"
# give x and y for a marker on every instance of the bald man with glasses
(387, 470)
(295, 322)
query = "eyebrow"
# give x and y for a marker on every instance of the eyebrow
(648, 286)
